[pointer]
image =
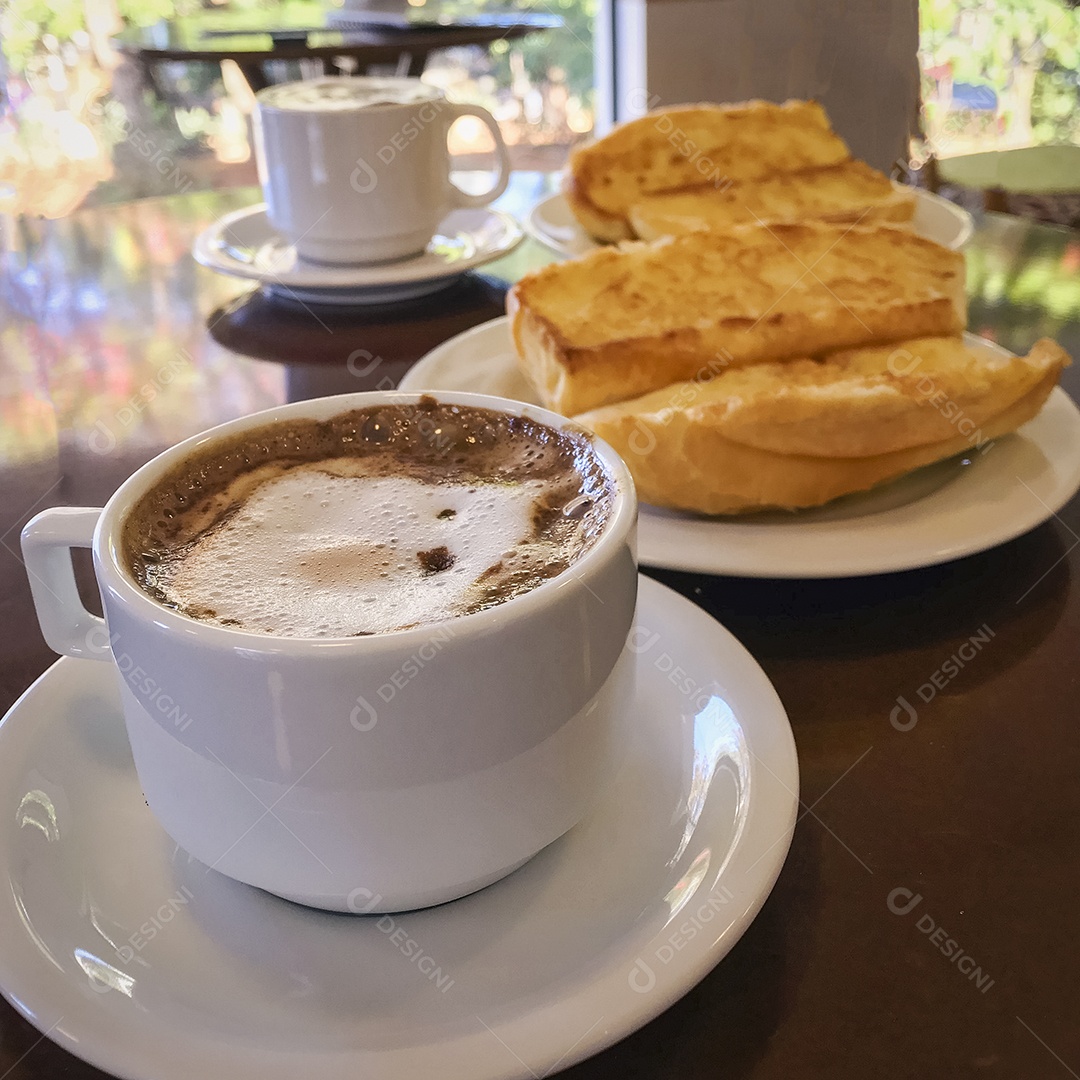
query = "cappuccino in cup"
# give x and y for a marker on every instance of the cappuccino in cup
(381, 519)
(357, 170)
(396, 621)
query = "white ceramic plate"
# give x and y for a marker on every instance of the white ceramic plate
(945, 511)
(552, 223)
(244, 244)
(148, 965)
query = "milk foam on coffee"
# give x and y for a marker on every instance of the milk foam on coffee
(328, 95)
(312, 554)
(377, 520)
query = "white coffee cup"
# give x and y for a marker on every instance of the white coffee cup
(357, 170)
(371, 773)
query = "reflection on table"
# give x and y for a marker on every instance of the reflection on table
(260, 42)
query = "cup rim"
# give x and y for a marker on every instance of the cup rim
(434, 93)
(115, 578)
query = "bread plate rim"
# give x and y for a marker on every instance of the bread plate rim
(963, 506)
(550, 222)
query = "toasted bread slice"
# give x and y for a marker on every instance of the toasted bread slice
(619, 322)
(849, 192)
(802, 433)
(694, 144)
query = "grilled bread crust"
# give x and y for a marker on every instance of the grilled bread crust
(850, 192)
(803, 433)
(694, 144)
(619, 322)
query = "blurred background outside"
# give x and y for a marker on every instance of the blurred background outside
(999, 74)
(79, 124)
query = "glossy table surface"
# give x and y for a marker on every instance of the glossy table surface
(257, 41)
(114, 345)
(1046, 169)
(264, 36)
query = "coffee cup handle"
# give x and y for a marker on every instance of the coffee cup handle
(47, 541)
(463, 198)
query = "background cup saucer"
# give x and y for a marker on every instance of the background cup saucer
(245, 245)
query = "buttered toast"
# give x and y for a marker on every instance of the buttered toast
(619, 322)
(693, 145)
(804, 432)
(849, 192)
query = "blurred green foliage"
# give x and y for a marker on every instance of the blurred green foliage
(24, 24)
(1030, 48)
(569, 48)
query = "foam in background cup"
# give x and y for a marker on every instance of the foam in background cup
(334, 94)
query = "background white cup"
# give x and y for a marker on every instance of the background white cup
(357, 170)
(364, 774)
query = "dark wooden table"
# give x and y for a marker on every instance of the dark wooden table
(975, 808)
(257, 41)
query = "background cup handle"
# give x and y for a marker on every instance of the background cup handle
(47, 541)
(463, 198)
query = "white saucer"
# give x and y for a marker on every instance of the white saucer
(146, 964)
(244, 244)
(552, 223)
(945, 511)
